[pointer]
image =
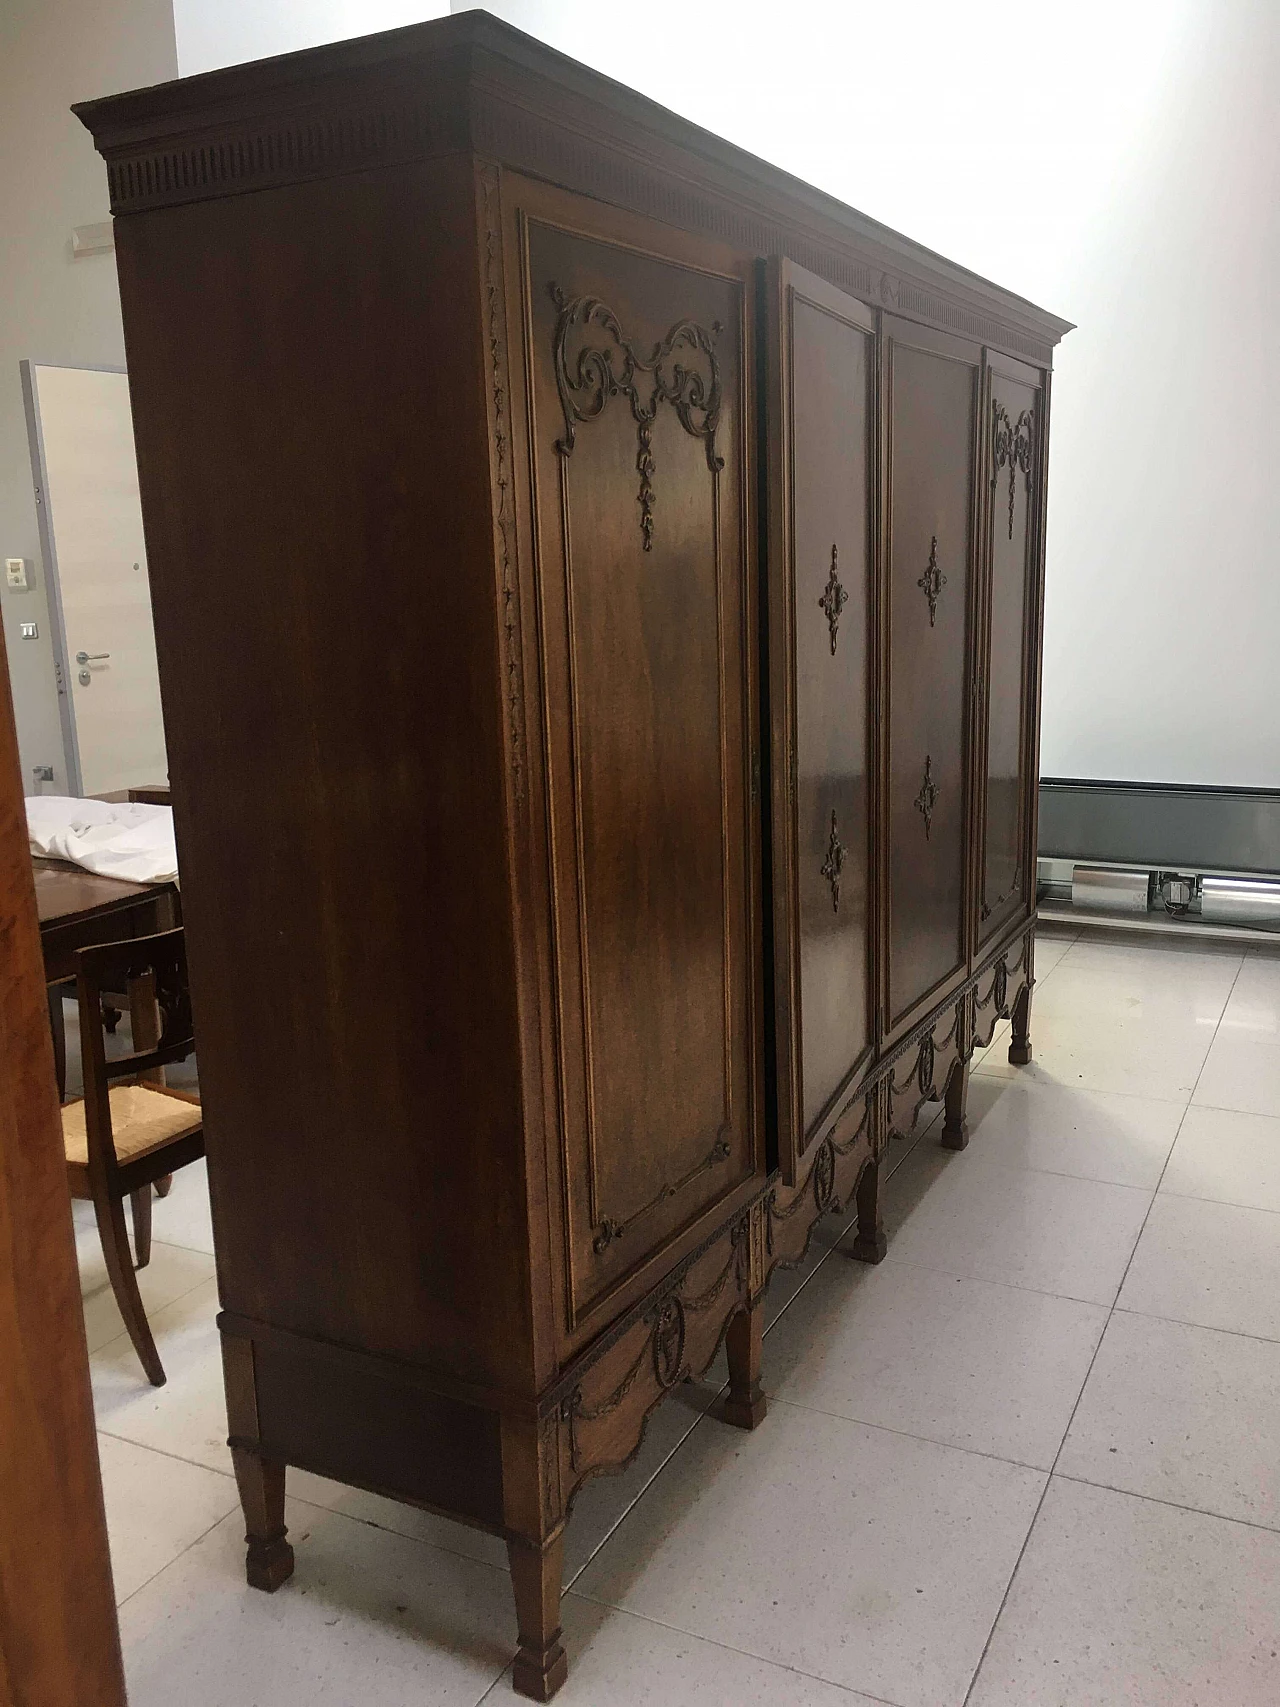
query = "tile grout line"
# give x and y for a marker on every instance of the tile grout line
(169, 1563)
(745, 1653)
(159, 1311)
(1222, 1202)
(1089, 1090)
(1026, 1541)
(906, 1434)
(1201, 1327)
(1173, 1505)
(173, 1457)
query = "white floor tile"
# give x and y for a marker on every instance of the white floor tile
(1183, 1414)
(1243, 1068)
(1210, 1263)
(994, 1369)
(1116, 948)
(996, 1050)
(1051, 945)
(187, 1417)
(1136, 1021)
(832, 1230)
(367, 1617)
(848, 1545)
(156, 1508)
(1120, 1602)
(171, 1273)
(183, 1217)
(1023, 1123)
(1227, 1156)
(965, 1215)
(863, 1557)
(617, 1660)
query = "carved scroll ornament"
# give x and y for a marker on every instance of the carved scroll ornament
(607, 1229)
(833, 864)
(927, 798)
(833, 600)
(933, 580)
(1012, 448)
(682, 369)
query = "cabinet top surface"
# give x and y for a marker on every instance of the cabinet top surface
(471, 83)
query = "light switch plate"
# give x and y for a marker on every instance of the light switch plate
(15, 573)
(29, 631)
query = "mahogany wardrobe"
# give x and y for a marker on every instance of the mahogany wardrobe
(597, 585)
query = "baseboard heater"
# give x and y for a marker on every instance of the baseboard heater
(1161, 857)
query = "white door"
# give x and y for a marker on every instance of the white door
(100, 600)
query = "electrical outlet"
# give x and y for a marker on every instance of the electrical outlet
(29, 631)
(15, 574)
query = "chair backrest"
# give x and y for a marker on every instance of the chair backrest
(152, 972)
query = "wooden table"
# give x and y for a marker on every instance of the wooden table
(77, 908)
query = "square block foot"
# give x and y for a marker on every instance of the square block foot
(745, 1413)
(864, 1249)
(268, 1564)
(538, 1676)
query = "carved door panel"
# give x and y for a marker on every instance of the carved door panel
(931, 389)
(821, 580)
(638, 366)
(1012, 451)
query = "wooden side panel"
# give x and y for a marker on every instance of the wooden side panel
(638, 364)
(59, 1645)
(308, 375)
(932, 395)
(1013, 434)
(821, 581)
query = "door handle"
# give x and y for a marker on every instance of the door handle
(90, 657)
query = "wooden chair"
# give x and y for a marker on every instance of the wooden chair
(130, 1130)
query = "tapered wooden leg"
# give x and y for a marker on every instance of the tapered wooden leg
(869, 1243)
(541, 1666)
(119, 1260)
(955, 1126)
(58, 1026)
(141, 1202)
(1020, 1042)
(164, 1185)
(269, 1561)
(745, 1405)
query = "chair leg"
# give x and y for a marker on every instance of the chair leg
(541, 1665)
(119, 1260)
(58, 1026)
(141, 1201)
(164, 1185)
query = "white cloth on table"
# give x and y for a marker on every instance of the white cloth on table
(114, 838)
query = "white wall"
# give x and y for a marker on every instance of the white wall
(211, 33)
(1119, 162)
(53, 308)
(1116, 160)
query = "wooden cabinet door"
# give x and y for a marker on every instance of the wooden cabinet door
(638, 386)
(1011, 622)
(931, 391)
(822, 365)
